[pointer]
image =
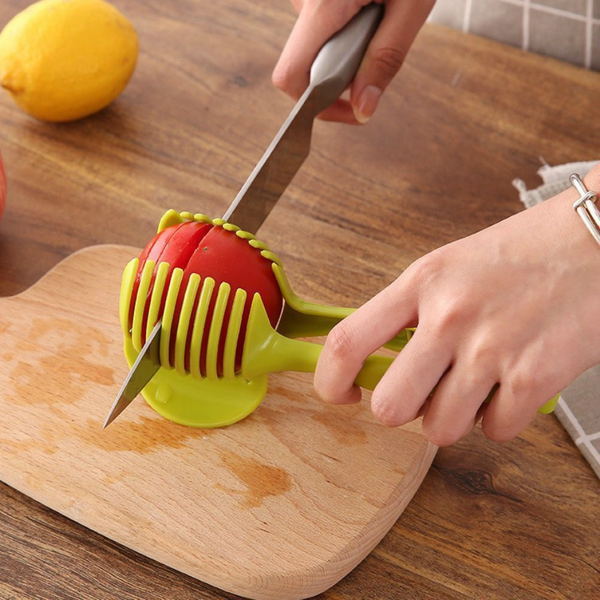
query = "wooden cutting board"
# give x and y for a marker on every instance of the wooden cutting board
(281, 505)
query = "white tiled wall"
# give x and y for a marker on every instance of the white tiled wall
(565, 29)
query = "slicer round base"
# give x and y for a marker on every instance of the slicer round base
(205, 403)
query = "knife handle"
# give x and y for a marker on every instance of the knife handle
(338, 60)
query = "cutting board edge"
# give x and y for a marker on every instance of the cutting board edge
(67, 259)
(394, 509)
(292, 585)
(255, 585)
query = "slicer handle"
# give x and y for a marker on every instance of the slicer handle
(338, 60)
(373, 370)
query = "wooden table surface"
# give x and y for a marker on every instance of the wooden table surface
(466, 116)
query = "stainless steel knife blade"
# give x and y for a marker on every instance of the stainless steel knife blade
(275, 170)
(331, 73)
(143, 370)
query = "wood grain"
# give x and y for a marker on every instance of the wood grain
(280, 506)
(464, 117)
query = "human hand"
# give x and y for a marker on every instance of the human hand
(319, 20)
(516, 305)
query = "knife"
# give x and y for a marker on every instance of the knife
(331, 73)
(143, 370)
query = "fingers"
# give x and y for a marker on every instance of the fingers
(456, 404)
(340, 111)
(317, 22)
(539, 372)
(513, 407)
(407, 384)
(386, 53)
(357, 336)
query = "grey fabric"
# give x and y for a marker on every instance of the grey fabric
(564, 29)
(579, 412)
(579, 405)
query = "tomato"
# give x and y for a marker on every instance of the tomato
(230, 259)
(2, 187)
(210, 251)
(151, 252)
(174, 245)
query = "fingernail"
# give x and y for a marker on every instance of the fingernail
(367, 103)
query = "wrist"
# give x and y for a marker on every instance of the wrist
(572, 224)
(585, 207)
(592, 179)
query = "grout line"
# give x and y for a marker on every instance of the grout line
(558, 12)
(563, 13)
(467, 16)
(587, 61)
(531, 6)
(525, 45)
(593, 436)
(583, 439)
(572, 418)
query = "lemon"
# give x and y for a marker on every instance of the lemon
(62, 60)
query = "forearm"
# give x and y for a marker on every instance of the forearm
(513, 307)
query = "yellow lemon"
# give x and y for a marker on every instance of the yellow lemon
(62, 60)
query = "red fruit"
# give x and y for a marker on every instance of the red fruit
(174, 245)
(227, 258)
(183, 244)
(151, 252)
(211, 251)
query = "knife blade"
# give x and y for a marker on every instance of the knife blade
(331, 73)
(143, 370)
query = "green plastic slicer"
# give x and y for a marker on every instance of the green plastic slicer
(224, 396)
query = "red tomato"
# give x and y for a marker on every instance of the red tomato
(174, 245)
(2, 187)
(211, 251)
(228, 258)
(151, 252)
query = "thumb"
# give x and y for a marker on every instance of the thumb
(386, 53)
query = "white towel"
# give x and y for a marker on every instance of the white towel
(556, 180)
